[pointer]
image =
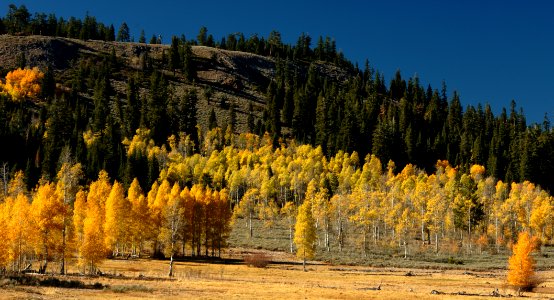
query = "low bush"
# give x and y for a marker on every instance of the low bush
(258, 260)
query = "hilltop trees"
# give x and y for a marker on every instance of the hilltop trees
(123, 34)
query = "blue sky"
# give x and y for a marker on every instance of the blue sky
(489, 51)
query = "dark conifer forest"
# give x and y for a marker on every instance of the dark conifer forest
(314, 95)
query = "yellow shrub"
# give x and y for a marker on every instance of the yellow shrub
(23, 83)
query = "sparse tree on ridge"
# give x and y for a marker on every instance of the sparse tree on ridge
(123, 34)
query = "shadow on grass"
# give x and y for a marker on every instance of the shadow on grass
(30, 280)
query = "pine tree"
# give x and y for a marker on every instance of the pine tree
(142, 38)
(212, 120)
(123, 34)
(174, 55)
(189, 70)
(202, 36)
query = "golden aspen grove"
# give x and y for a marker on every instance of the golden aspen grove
(188, 209)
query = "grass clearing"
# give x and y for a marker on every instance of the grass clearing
(282, 279)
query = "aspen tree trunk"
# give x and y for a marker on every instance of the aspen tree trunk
(469, 230)
(436, 242)
(327, 229)
(171, 261)
(422, 228)
(62, 267)
(250, 224)
(290, 238)
(304, 259)
(496, 234)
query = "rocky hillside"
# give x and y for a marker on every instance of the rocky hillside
(223, 77)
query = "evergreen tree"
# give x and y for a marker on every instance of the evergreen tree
(189, 70)
(202, 36)
(174, 55)
(212, 120)
(142, 38)
(250, 120)
(132, 109)
(123, 34)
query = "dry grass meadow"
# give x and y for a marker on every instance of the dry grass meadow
(282, 279)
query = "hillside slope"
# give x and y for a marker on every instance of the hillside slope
(223, 77)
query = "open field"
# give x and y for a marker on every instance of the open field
(284, 279)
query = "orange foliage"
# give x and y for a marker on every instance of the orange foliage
(521, 265)
(23, 83)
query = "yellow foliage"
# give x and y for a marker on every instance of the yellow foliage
(90, 137)
(305, 232)
(116, 226)
(477, 172)
(23, 83)
(521, 265)
(47, 212)
(140, 214)
(19, 230)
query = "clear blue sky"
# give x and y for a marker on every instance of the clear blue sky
(489, 51)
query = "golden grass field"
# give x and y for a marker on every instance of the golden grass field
(284, 279)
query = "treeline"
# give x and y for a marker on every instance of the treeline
(61, 220)
(19, 21)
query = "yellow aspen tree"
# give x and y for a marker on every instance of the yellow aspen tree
(541, 214)
(116, 226)
(437, 207)
(220, 222)
(187, 228)
(79, 215)
(93, 249)
(322, 213)
(247, 208)
(156, 211)
(100, 190)
(338, 209)
(140, 217)
(521, 265)
(17, 185)
(485, 192)
(511, 210)
(305, 233)
(289, 213)
(48, 212)
(207, 217)
(67, 187)
(500, 195)
(197, 214)
(422, 194)
(19, 232)
(173, 215)
(5, 211)
(266, 208)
